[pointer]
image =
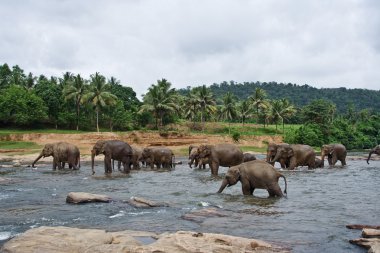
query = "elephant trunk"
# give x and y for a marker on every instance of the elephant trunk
(369, 155)
(276, 157)
(92, 161)
(224, 184)
(38, 158)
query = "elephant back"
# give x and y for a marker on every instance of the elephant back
(227, 154)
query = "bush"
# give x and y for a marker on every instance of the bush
(236, 136)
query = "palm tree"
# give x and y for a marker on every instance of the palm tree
(76, 89)
(258, 100)
(99, 95)
(244, 110)
(206, 101)
(159, 100)
(280, 110)
(228, 109)
(191, 106)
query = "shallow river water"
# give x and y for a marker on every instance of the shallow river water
(312, 219)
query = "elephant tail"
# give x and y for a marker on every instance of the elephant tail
(286, 185)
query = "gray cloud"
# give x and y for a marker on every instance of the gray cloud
(322, 43)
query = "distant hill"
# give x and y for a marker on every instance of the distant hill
(301, 95)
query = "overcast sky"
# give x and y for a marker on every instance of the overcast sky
(321, 43)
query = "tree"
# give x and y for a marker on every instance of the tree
(75, 89)
(206, 101)
(319, 111)
(191, 106)
(159, 100)
(5, 76)
(51, 94)
(281, 109)
(244, 110)
(99, 95)
(20, 107)
(229, 109)
(258, 100)
(17, 77)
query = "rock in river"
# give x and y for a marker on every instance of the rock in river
(65, 239)
(84, 197)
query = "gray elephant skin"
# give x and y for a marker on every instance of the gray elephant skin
(298, 155)
(193, 156)
(62, 152)
(271, 153)
(112, 149)
(255, 175)
(221, 155)
(136, 158)
(318, 163)
(375, 150)
(334, 153)
(248, 156)
(159, 156)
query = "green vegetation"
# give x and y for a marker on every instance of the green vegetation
(302, 114)
(18, 145)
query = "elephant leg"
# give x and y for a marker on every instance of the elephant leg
(54, 164)
(343, 161)
(334, 160)
(292, 164)
(329, 159)
(274, 190)
(246, 189)
(214, 168)
(107, 164)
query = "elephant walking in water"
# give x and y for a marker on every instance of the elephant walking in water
(334, 152)
(221, 155)
(112, 149)
(271, 153)
(253, 175)
(298, 155)
(159, 156)
(375, 150)
(62, 152)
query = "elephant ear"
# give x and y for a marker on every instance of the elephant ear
(290, 152)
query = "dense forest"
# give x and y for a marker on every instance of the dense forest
(350, 117)
(300, 95)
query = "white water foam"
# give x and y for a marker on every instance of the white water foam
(120, 214)
(5, 235)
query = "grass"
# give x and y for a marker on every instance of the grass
(7, 131)
(254, 149)
(18, 145)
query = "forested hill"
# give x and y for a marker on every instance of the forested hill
(301, 95)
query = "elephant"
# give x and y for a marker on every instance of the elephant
(248, 156)
(112, 149)
(375, 150)
(193, 155)
(62, 152)
(334, 152)
(318, 163)
(202, 162)
(221, 155)
(255, 174)
(136, 158)
(159, 156)
(271, 153)
(298, 155)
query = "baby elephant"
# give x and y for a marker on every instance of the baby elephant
(255, 174)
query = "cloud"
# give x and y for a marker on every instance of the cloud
(321, 43)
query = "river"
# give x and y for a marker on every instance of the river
(312, 219)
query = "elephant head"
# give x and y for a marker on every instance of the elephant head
(204, 151)
(97, 149)
(284, 152)
(271, 151)
(48, 150)
(193, 155)
(231, 178)
(326, 150)
(375, 150)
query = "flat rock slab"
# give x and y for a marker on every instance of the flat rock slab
(84, 197)
(65, 240)
(145, 203)
(370, 240)
(200, 215)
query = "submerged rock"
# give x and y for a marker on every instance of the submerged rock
(201, 215)
(65, 239)
(84, 197)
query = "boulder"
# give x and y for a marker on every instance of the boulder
(200, 215)
(65, 240)
(84, 197)
(370, 240)
(145, 203)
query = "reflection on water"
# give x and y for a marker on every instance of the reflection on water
(320, 203)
